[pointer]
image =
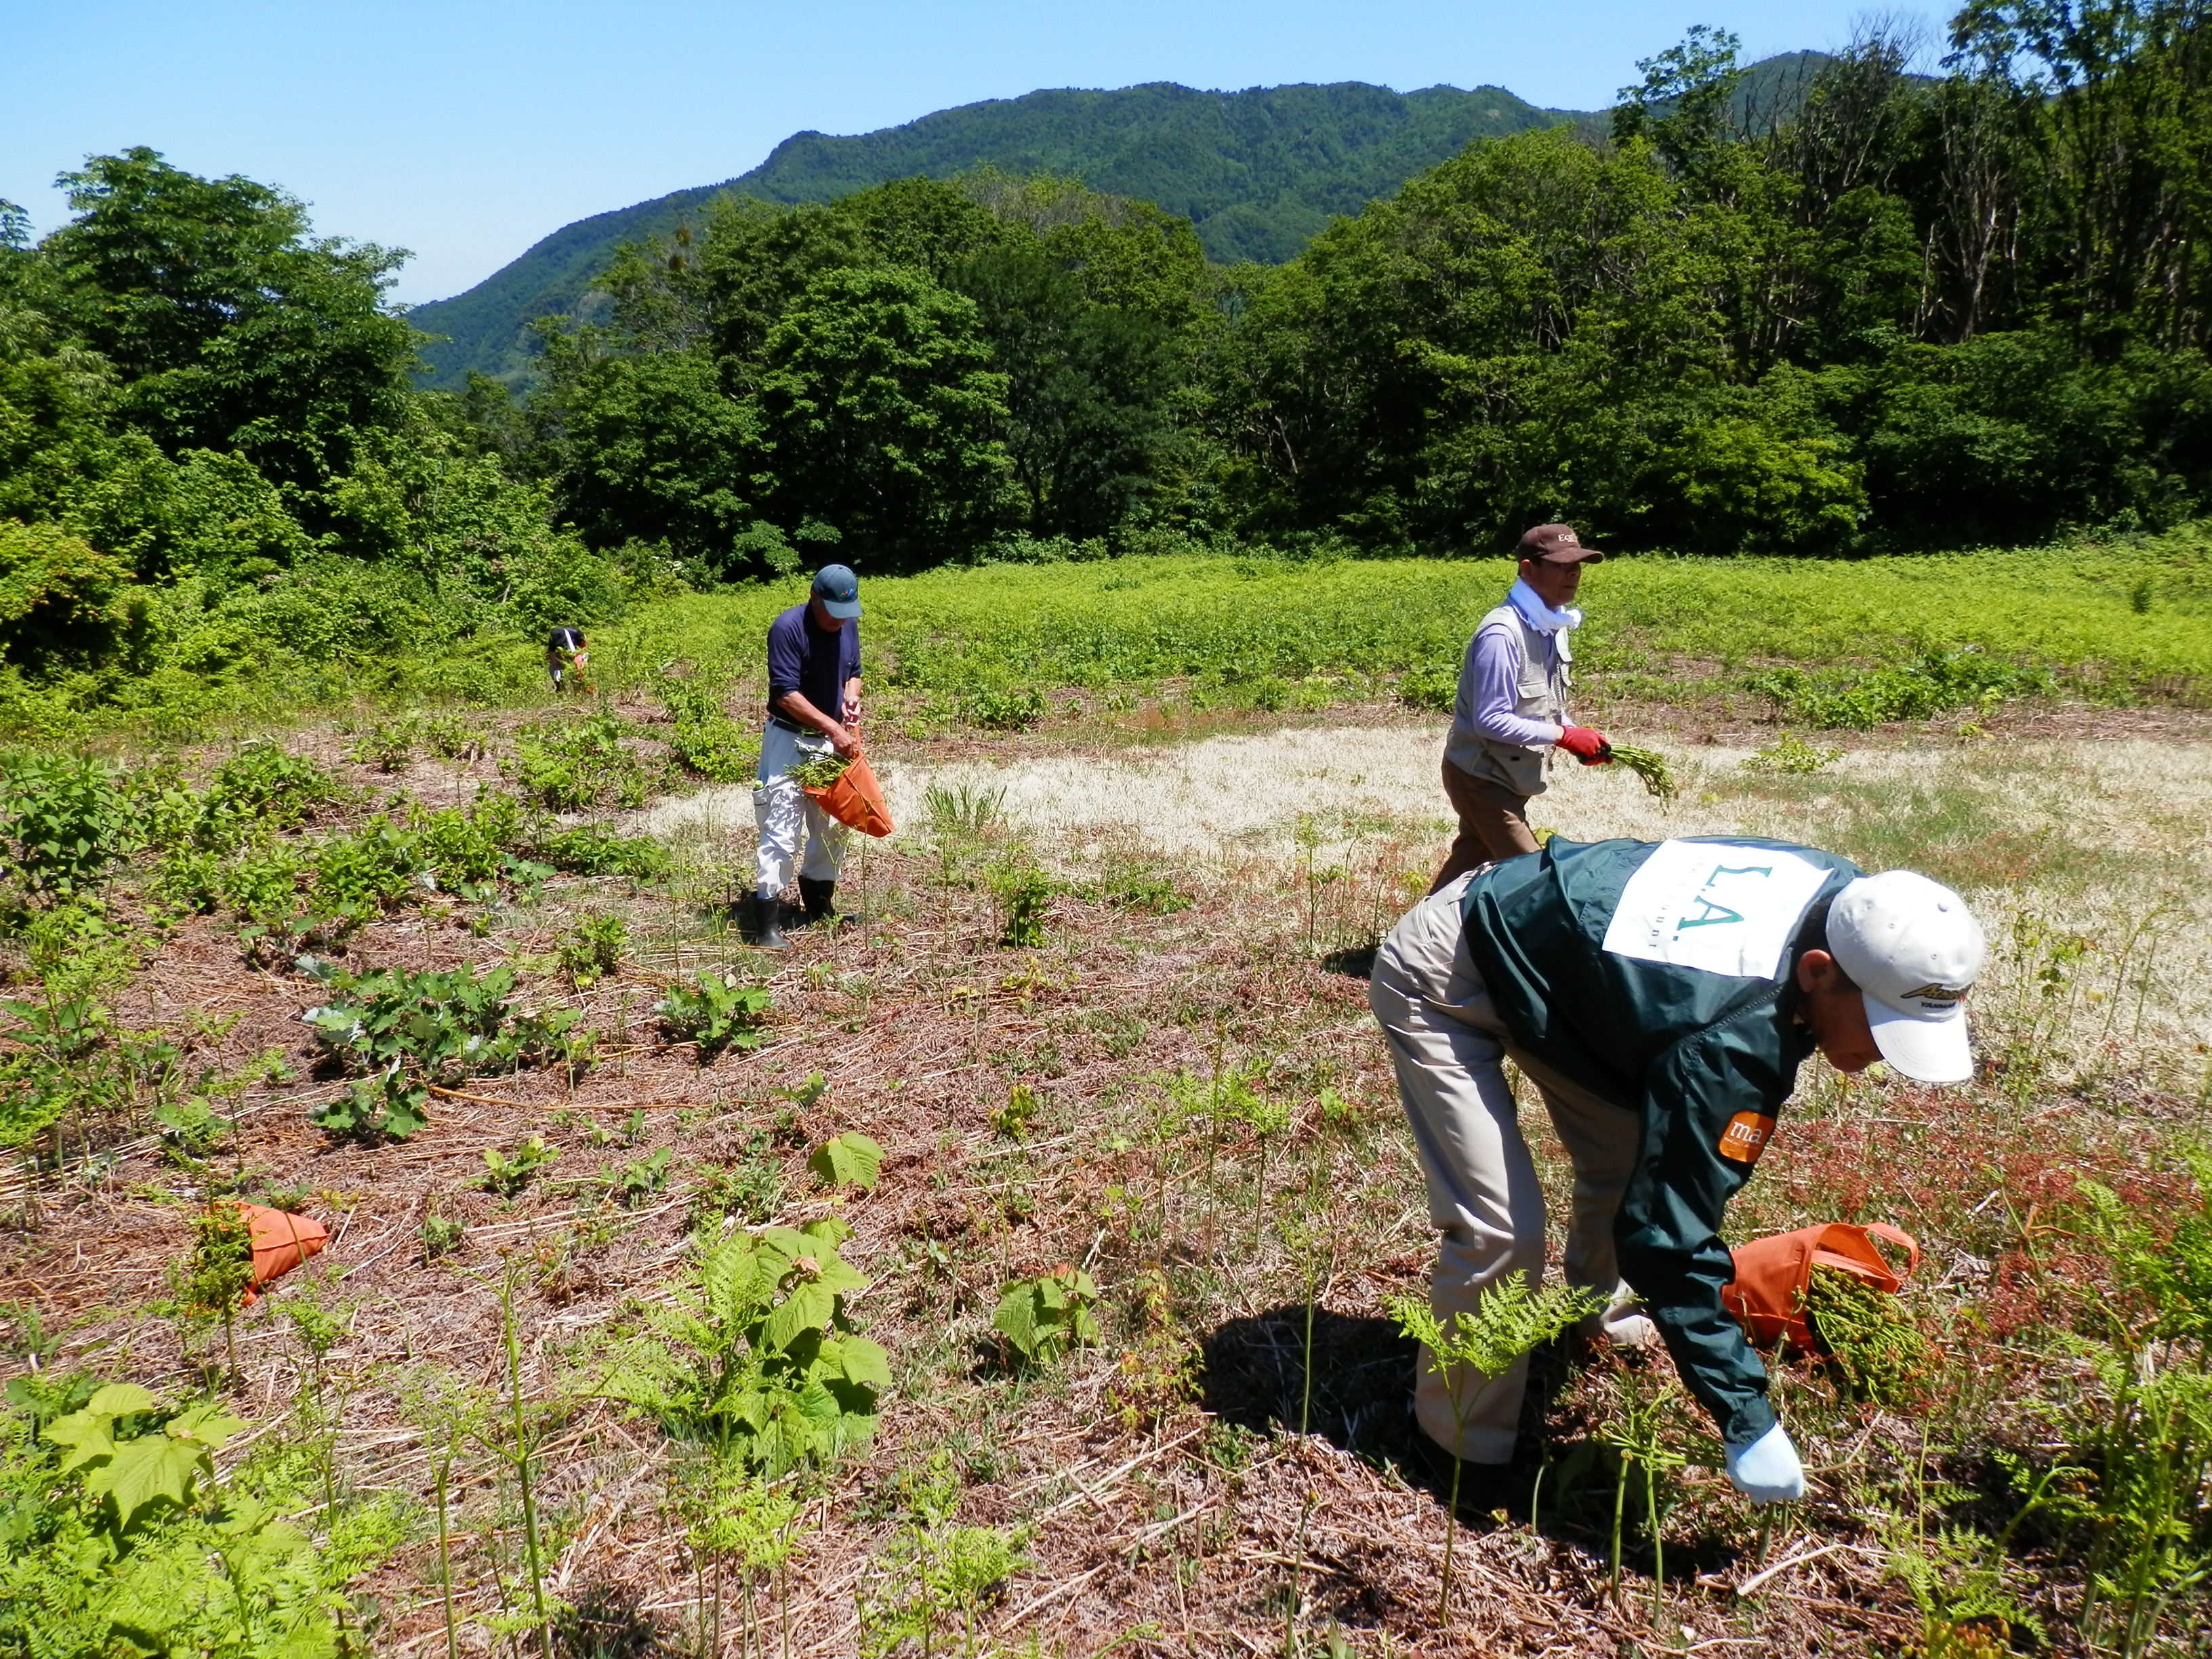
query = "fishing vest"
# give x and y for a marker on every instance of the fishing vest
(1540, 693)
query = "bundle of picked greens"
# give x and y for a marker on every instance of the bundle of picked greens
(1878, 1352)
(1648, 764)
(820, 771)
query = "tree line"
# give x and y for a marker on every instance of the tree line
(1896, 312)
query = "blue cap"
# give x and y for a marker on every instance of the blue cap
(839, 590)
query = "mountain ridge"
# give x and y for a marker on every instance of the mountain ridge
(1258, 172)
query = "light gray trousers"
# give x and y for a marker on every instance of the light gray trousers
(1447, 1044)
(784, 812)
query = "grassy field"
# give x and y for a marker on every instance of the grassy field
(1242, 622)
(1089, 1134)
(2116, 623)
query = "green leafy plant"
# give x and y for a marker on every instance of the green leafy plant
(750, 1189)
(963, 810)
(257, 791)
(1649, 765)
(936, 1572)
(1637, 1435)
(1000, 709)
(388, 745)
(715, 1011)
(754, 1354)
(1790, 755)
(1934, 682)
(1044, 1318)
(638, 1179)
(65, 820)
(508, 1173)
(1013, 1118)
(1878, 1352)
(133, 1473)
(705, 742)
(571, 766)
(404, 1030)
(850, 1159)
(2146, 1433)
(124, 1540)
(220, 1271)
(819, 771)
(441, 1236)
(593, 950)
(1509, 1320)
(592, 849)
(1024, 894)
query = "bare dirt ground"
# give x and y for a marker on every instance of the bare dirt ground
(1161, 1497)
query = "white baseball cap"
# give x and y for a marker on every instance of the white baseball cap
(1914, 950)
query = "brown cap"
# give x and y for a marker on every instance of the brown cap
(1556, 543)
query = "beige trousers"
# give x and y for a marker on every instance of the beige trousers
(1447, 1044)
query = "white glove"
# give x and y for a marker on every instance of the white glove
(1768, 1470)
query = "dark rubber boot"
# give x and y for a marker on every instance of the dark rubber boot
(817, 896)
(768, 924)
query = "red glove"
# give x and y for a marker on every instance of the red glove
(1588, 746)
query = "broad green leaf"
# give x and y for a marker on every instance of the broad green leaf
(858, 1360)
(146, 1470)
(850, 1159)
(206, 1425)
(1017, 1317)
(807, 1307)
(120, 1400)
(86, 1433)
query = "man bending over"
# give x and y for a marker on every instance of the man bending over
(1661, 996)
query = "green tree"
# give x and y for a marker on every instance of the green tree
(882, 410)
(228, 325)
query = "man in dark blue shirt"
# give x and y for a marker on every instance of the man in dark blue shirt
(813, 709)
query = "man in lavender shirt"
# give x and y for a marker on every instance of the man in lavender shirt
(1511, 709)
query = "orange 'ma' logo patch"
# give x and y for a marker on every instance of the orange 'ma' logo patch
(1746, 1134)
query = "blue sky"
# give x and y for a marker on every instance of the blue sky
(465, 131)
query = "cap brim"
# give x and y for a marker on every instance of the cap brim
(1565, 555)
(842, 609)
(1925, 1050)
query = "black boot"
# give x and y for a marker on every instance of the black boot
(768, 924)
(816, 897)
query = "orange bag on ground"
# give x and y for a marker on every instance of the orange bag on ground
(1768, 1296)
(282, 1241)
(856, 799)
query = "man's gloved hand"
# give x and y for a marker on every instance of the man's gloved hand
(1768, 1470)
(1588, 746)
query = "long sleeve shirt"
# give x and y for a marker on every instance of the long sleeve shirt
(1662, 979)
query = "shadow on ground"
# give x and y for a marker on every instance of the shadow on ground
(1254, 1376)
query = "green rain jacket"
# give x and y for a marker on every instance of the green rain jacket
(1660, 976)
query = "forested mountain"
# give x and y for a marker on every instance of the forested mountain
(1258, 173)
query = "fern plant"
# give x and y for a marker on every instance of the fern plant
(1509, 1320)
(125, 1542)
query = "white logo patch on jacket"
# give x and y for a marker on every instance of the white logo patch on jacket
(1716, 908)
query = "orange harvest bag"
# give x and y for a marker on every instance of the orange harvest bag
(282, 1241)
(1768, 1296)
(856, 799)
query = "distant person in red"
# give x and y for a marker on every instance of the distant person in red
(565, 654)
